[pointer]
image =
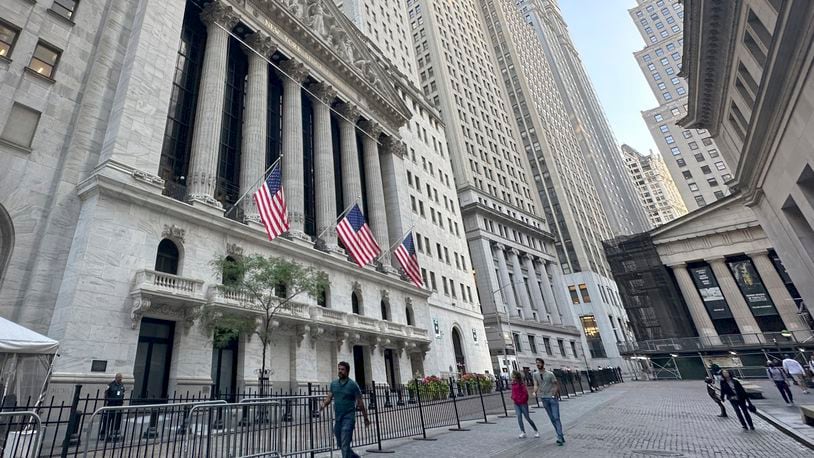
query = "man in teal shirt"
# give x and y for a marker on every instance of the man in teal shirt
(347, 398)
(547, 386)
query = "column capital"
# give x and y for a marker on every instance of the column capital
(514, 251)
(499, 246)
(294, 70)
(371, 128)
(394, 146)
(348, 111)
(758, 252)
(218, 13)
(261, 43)
(322, 92)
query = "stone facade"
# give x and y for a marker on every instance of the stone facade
(87, 210)
(656, 188)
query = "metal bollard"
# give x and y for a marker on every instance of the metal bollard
(455, 406)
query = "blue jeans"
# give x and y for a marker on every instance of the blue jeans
(552, 408)
(522, 410)
(343, 430)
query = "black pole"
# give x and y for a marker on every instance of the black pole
(503, 400)
(421, 414)
(72, 433)
(455, 406)
(483, 405)
(378, 448)
(310, 420)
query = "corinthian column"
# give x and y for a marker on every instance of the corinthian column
(777, 291)
(376, 212)
(253, 147)
(506, 287)
(520, 284)
(351, 180)
(293, 73)
(323, 96)
(534, 287)
(562, 303)
(698, 313)
(203, 176)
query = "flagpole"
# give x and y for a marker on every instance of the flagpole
(341, 215)
(400, 240)
(234, 205)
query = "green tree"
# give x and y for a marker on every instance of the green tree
(264, 286)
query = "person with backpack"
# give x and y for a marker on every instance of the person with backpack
(520, 396)
(778, 376)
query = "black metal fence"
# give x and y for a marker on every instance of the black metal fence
(289, 422)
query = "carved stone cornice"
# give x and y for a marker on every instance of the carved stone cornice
(218, 13)
(371, 128)
(348, 111)
(261, 43)
(322, 92)
(293, 69)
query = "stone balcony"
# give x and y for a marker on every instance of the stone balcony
(167, 295)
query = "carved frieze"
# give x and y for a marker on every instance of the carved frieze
(173, 232)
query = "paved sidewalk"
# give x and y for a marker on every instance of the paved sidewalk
(634, 419)
(786, 416)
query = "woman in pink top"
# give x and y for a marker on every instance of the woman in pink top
(520, 396)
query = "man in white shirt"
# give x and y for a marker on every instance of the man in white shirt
(795, 371)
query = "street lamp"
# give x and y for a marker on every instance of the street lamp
(508, 322)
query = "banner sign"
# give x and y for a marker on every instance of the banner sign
(710, 293)
(757, 298)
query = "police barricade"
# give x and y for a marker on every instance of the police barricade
(269, 427)
(20, 434)
(140, 430)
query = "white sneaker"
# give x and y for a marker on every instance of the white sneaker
(536, 434)
(522, 436)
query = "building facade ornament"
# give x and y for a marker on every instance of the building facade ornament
(233, 249)
(348, 111)
(173, 232)
(293, 69)
(218, 13)
(371, 128)
(262, 44)
(322, 92)
(394, 146)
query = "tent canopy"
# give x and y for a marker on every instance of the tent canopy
(17, 339)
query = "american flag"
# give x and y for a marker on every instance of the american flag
(409, 261)
(357, 238)
(270, 201)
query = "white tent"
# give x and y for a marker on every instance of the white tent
(25, 363)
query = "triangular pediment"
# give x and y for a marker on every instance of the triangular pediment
(340, 42)
(724, 215)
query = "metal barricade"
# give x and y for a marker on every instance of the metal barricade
(20, 434)
(140, 430)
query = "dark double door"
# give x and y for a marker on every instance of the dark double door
(153, 358)
(224, 369)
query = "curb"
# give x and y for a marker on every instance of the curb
(785, 429)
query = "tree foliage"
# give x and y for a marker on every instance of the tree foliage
(264, 285)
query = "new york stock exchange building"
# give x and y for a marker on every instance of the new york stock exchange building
(151, 122)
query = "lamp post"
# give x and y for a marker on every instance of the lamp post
(508, 322)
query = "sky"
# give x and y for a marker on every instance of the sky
(606, 38)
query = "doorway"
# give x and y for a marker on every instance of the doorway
(224, 366)
(153, 358)
(391, 368)
(460, 359)
(359, 366)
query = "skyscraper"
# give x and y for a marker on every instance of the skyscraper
(691, 155)
(655, 186)
(590, 126)
(512, 250)
(459, 340)
(563, 179)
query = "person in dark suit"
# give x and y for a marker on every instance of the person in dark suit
(732, 389)
(713, 393)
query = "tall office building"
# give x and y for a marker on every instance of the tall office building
(511, 248)
(562, 177)
(655, 186)
(691, 155)
(459, 340)
(590, 126)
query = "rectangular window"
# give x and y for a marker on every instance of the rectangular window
(692, 186)
(669, 139)
(699, 157)
(8, 36)
(532, 345)
(591, 330)
(572, 289)
(583, 291)
(681, 162)
(517, 347)
(547, 345)
(675, 151)
(700, 201)
(561, 344)
(720, 165)
(659, 118)
(44, 60)
(693, 145)
(687, 174)
(21, 125)
(64, 8)
(574, 349)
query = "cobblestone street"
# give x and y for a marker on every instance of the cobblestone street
(634, 419)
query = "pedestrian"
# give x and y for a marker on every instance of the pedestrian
(795, 371)
(811, 365)
(778, 376)
(520, 396)
(347, 398)
(114, 397)
(732, 389)
(713, 393)
(547, 387)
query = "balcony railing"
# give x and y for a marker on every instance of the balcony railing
(724, 342)
(163, 282)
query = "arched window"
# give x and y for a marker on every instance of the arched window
(167, 258)
(408, 311)
(355, 303)
(457, 345)
(231, 274)
(385, 310)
